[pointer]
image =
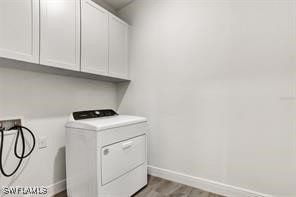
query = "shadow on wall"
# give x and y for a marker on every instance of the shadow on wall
(121, 90)
(26, 66)
(59, 171)
(34, 94)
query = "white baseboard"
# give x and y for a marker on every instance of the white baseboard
(200, 183)
(56, 188)
(204, 184)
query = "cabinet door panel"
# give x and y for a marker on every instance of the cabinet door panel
(118, 65)
(19, 30)
(60, 33)
(94, 38)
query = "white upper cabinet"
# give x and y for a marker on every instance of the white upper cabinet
(74, 35)
(94, 38)
(60, 33)
(19, 30)
(118, 47)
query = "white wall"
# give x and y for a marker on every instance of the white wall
(46, 101)
(217, 80)
(106, 6)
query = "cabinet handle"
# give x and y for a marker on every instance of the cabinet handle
(127, 145)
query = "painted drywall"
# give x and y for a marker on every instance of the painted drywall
(46, 101)
(217, 81)
(107, 6)
(117, 5)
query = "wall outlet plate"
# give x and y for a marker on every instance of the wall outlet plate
(42, 142)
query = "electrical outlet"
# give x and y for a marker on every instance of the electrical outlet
(42, 142)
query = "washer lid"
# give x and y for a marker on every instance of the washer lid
(97, 124)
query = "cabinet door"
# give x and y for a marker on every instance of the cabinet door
(118, 39)
(60, 33)
(122, 157)
(94, 38)
(19, 30)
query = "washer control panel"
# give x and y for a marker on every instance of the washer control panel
(80, 115)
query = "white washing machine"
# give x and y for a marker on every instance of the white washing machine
(105, 154)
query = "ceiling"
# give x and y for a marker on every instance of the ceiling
(118, 4)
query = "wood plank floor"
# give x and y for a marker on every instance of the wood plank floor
(158, 187)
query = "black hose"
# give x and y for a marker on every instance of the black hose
(23, 155)
(23, 140)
